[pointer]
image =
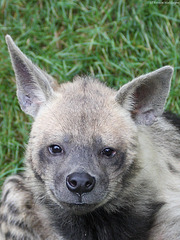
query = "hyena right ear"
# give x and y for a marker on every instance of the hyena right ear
(34, 86)
(144, 97)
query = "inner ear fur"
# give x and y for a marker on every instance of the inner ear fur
(34, 86)
(145, 96)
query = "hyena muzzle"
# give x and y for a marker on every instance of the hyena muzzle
(100, 164)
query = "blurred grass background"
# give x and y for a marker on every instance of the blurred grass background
(113, 40)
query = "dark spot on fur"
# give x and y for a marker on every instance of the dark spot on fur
(28, 205)
(3, 218)
(42, 157)
(33, 137)
(5, 196)
(13, 209)
(20, 224)
(11, 236)
(130, 174)
(121, 158)
(97, 141)
(14, 180)
(37, 176)
(8, 235)
(172, 169)
(176, 154)
(19, 184)
(173, 119)
(14, 222)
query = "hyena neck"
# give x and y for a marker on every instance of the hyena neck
(124, 224)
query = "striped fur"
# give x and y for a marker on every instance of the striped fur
(121, 140)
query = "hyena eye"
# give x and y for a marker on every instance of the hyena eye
(108, 152)
(55, 149)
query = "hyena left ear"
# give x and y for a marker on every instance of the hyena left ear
(34, 86)
(146, 95)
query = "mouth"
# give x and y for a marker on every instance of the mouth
(79, 205)
(79, 208)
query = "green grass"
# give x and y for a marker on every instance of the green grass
(113, 40)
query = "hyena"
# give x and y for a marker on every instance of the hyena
(100, 164)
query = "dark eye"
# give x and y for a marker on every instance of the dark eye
(108, 152)
(55, 149)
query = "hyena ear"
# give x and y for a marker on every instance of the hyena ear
(34, 86)
(146, 95)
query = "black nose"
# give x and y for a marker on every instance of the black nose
(80, 182)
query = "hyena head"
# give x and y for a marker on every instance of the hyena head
(84, 140)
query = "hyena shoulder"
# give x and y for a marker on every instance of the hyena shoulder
(19, 217)
(16, 210)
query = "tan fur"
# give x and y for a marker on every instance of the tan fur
(84, 117)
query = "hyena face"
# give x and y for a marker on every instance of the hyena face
(78, 148)
(84, 139)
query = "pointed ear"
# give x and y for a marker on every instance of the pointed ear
(146, 95)
(34, 86)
